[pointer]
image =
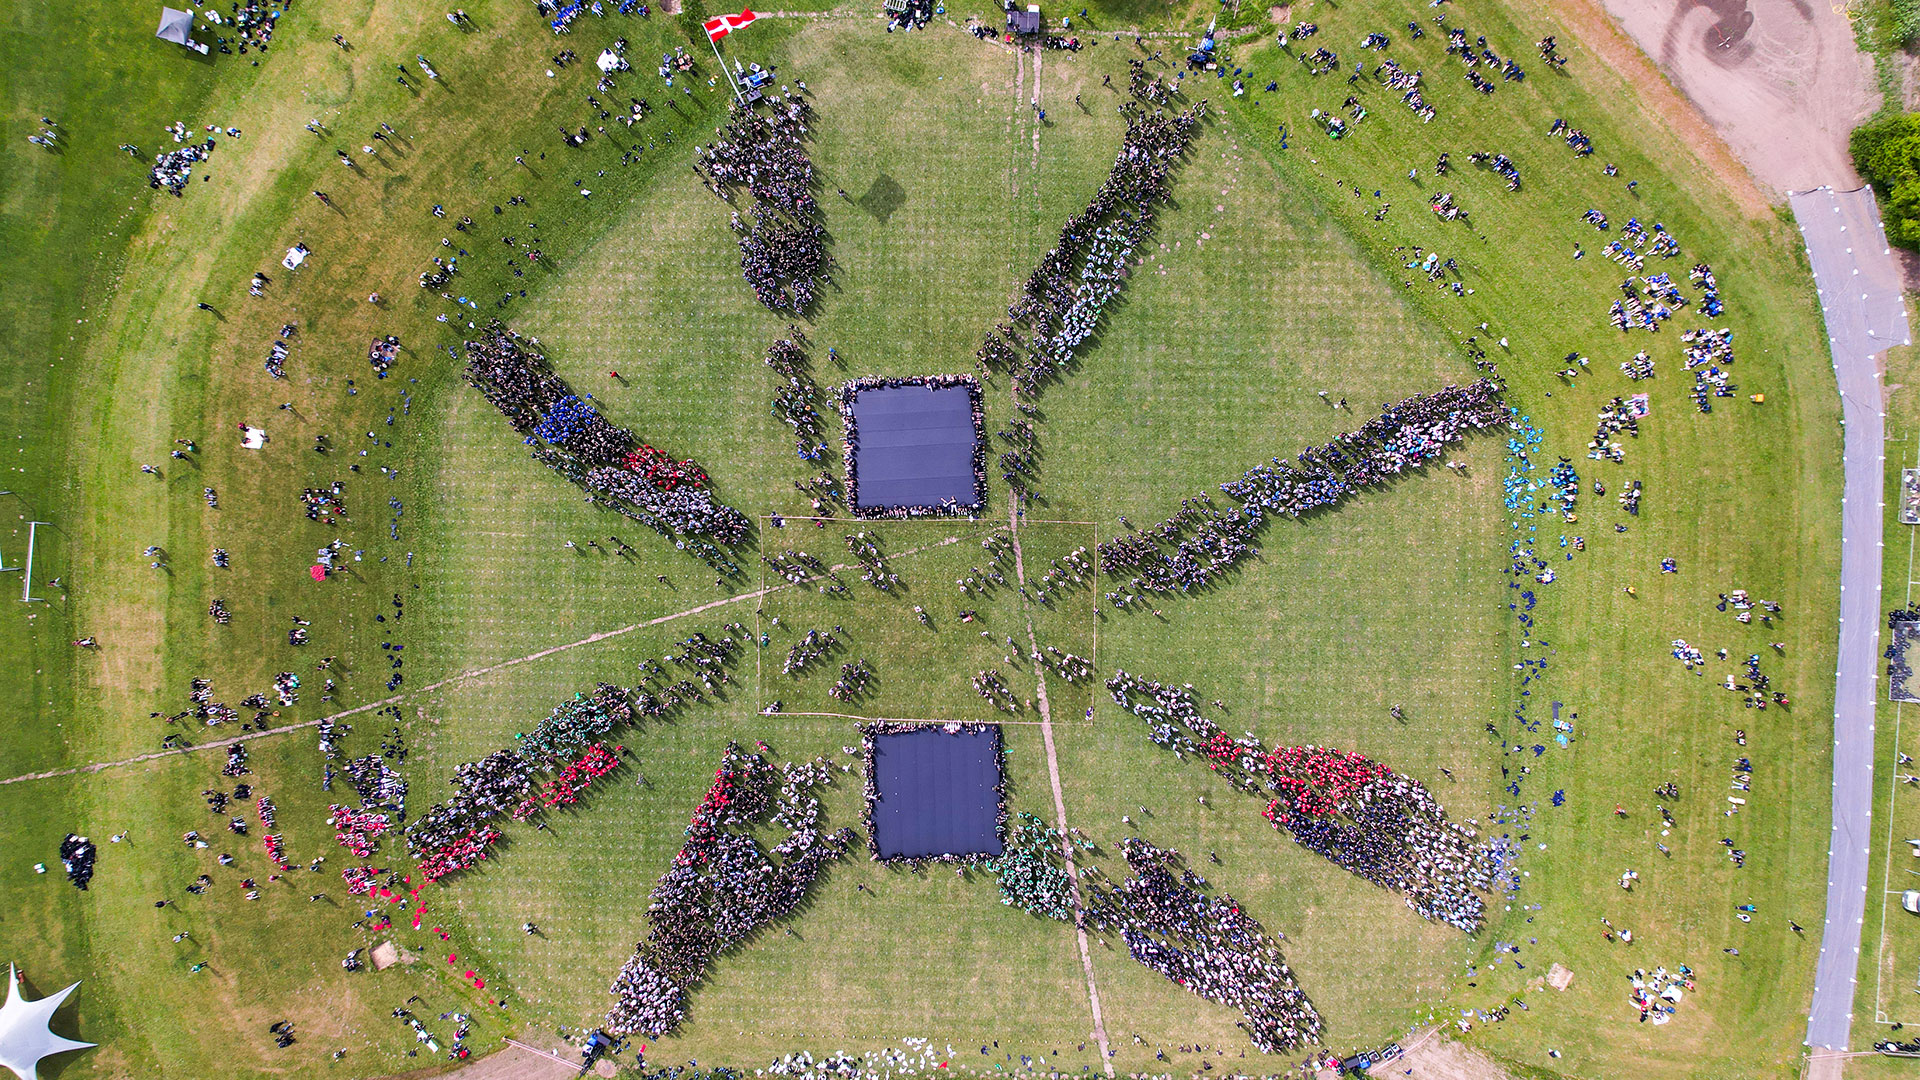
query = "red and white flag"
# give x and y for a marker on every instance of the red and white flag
(723, 25)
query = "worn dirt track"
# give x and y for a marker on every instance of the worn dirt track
(1779, 80)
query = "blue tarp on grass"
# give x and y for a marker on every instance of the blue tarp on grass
(937, 793)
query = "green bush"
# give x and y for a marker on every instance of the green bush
(1887, 154)
(1905, 20)
(693, 19)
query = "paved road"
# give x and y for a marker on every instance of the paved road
(1860, 295)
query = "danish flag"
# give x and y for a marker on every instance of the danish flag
(723, 25)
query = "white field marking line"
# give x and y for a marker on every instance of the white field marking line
(1013, 129)
(895, 719)
(1093, 651)
(1020, 577)
(945, 520)
(98, 766)
(1893, 791)
(1037, 125)
(473, 673)
(759, 661)
(1059, 797)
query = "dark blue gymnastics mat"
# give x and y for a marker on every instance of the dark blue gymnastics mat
(937, 793)
(915, 446)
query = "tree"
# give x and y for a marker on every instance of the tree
(1887, 154)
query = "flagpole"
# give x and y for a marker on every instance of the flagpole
(715, 42)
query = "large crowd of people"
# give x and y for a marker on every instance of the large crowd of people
(77, 856)
(616, 469)
(723, 886)
(797, 402)
(1354, 812)
(1903, 625)
(357, 830)
(1031, 873)
(457, 834)
(783, 246)
(173, 170)
(1207, 944)
(1064, 298)
(1187, 551)
(379, 785)
(1406, 435)
(1062, 302)
(565, 788)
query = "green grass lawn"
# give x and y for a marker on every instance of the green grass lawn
(1269, 280)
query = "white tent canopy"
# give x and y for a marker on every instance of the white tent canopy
(25, 1036)
(175, 26)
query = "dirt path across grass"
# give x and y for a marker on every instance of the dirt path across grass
(472, 673)
(1435, 1057)
(1059, 796)
(1014, 513)
(1780, 81)
(513, 1061)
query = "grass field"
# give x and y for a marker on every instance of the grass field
(1272, 279)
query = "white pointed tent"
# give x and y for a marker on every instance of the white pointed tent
(175, 26)
(25, 1036)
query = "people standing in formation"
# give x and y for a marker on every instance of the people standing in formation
(1902, 624)
(865, 548)
(567, 785)
(1355, 813)
(783, 246)
(617, 470)
(848, 402)
(1404, 436)
(1032, 874)
(814, 645)
(1060, 305)
(797, 401)
(1206, 542)
(723, 886)
(855, 678)
(1206, 944)
(456, 834)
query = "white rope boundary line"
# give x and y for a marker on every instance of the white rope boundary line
(473, 673)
